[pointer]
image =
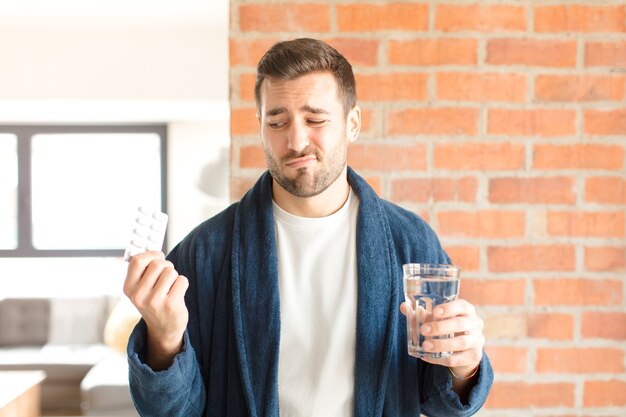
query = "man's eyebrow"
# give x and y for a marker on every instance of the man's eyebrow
(275, 111)
(306, 108)
(314, 110)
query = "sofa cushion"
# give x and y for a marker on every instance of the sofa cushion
(105, 391)
(78, 320)
(61, 363)
(24, 322)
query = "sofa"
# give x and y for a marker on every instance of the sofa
(79, 343)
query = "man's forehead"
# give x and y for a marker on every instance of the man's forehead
(315, 92)
(313, 76)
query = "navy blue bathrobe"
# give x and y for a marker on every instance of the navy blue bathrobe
(229, 362)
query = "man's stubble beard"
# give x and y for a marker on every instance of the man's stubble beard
(307, 183)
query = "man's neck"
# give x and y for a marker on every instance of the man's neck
(324, 204)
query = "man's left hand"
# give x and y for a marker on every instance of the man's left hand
(457, 317)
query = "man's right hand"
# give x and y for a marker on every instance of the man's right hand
(153, 285)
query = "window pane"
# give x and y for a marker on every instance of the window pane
(8, 191)
(86, 187)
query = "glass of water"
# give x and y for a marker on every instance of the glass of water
(425, 287)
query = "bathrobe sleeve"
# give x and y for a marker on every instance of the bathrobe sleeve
(415, 241)
(179, 390)
(184, 389)
(438, 398)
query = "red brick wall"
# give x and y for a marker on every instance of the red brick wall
(504, 125)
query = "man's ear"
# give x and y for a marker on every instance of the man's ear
(354, 124)
(259, 122)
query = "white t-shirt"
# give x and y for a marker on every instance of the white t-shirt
(317, 277)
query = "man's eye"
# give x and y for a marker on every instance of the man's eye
(316, 122)
(276, 125)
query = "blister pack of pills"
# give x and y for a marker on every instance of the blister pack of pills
(148, 232)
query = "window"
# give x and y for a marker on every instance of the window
(8, 191)
(73, 191)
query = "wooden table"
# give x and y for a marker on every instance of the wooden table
(20, 394)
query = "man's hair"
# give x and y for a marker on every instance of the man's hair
(289, 60)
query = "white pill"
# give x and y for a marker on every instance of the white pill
(141, 231)
(158, 227)
(155, 238)
(138, 243)
(162, 217)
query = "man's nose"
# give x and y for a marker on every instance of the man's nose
(298, 138)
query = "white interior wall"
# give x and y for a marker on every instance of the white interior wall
(74, 62)
(120, 63)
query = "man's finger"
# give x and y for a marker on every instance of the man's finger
(455, 344)
(454, 308)
(458, 324)
(137, 266)
(144, 289)
(405, 308)
(179, 287)
(164, 282)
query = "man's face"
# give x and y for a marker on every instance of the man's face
(305, 132)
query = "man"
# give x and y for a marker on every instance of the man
(289, 301)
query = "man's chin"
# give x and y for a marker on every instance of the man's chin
(303, 185)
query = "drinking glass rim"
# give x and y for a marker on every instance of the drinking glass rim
(411, 268)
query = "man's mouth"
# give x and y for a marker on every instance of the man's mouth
(301, 162)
